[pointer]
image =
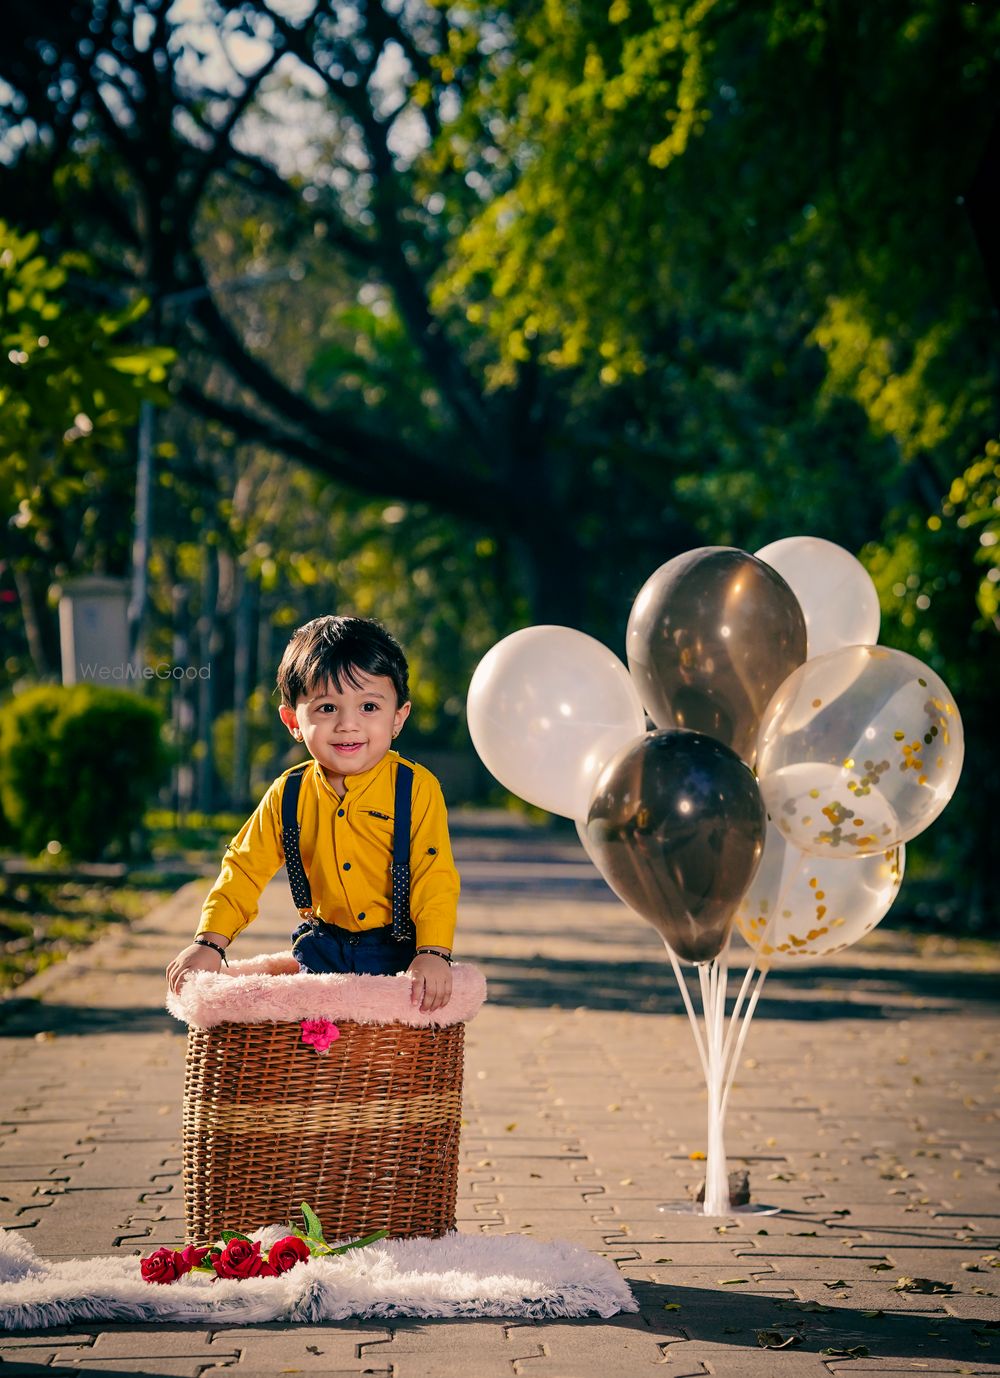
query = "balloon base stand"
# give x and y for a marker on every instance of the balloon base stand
(698, 1208)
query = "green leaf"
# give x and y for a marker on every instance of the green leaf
(858, 1352)
(358, 1243)
(313, 1227)
(227, 1235)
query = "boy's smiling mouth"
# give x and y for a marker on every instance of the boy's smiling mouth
(347, 746)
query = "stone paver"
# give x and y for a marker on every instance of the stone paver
(865, 1111)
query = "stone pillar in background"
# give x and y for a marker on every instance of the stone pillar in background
(93, 632)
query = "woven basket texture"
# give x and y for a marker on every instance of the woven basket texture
(367, 1133)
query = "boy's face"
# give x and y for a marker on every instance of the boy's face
(349, 730)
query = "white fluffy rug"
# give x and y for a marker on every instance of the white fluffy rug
(459, 1275)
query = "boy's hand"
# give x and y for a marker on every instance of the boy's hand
(195, 957)
(431, 981)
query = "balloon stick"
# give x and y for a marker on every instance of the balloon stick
(713, 993)
(692, 1017)
(734, 1063)
(735, 1017)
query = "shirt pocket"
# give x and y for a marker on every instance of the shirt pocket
(377, 829)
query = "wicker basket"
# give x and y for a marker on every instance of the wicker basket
(366, 1132)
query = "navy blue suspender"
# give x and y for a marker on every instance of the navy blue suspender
(402, 924)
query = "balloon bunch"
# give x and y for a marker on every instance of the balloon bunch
(791, 760)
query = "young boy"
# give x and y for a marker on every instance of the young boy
(345, 696)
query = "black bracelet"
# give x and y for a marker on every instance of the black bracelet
(434, 952)
(205, 942)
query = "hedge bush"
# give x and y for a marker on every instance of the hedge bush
(79, 765)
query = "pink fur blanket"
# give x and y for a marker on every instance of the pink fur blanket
(258, 990)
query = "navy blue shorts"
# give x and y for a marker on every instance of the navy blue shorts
(374, 952)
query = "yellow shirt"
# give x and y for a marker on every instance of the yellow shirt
(346, 846)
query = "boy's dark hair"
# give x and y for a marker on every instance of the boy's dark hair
(330, 648)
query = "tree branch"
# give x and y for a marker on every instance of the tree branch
(465, 497)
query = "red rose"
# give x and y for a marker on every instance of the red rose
(241, 1259)
(161, 1266)
(287, 1252)
(188, 1258)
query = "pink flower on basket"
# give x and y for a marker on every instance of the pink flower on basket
(320, 1033)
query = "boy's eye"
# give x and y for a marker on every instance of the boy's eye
(373, 707)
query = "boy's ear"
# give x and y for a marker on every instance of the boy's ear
(402, 713)
(287, 716)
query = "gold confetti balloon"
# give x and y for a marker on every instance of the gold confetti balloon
(858, 751)
(803, 908)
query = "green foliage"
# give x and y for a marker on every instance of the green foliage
(938, 577)
(699, 271)
(70, 387)
(78, 766)
(266, 737)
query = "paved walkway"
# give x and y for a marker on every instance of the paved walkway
(864, 1109)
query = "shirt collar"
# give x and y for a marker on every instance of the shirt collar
(354, 784)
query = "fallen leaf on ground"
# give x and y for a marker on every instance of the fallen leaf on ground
(921, 1285)
(773, 1339)
(858, 1352)
(671, 1306)
(731, 1282)
(839, 1283)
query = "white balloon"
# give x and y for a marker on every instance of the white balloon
(547, 707)
(803, 908)
(835, 591)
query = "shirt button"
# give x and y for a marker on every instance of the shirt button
(347, 865)
(361, 916)
(340, 813)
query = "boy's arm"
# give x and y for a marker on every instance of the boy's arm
(251, 859)
(434, 883)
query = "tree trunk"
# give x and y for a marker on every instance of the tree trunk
(210, 642)
(246, 612)
(32, 598)
(552, 568)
